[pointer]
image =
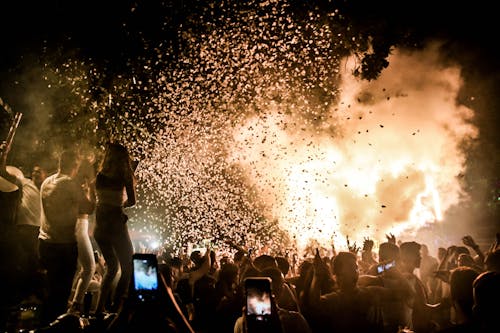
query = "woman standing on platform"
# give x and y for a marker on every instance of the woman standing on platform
(115, 189)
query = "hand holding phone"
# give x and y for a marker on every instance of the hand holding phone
(258, 306)
(385, 266)
(145, 277)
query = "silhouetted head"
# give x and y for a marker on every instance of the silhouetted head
(304, 268)
(238, 256)
(461, 291)
(283, 265)
(69, 161)
(461, 249)
(38, 175)
(424, 250)
(229, 273)
(388, 252)
(249, 271)
(492, 261)
(196, 258)
(441, 253)
(175, 262)
(116, 160)
(410, 254)
(264, 261)
(465, 259)
(345, 268)
(487, 298)
(277, 279)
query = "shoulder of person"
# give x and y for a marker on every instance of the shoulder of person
(370, 280)
(238, 325)
(28, 183)
(48, 182)
(71, 182)
(293, 321)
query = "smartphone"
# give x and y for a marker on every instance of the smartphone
(258, 300)
(145, 277)
(385, 266)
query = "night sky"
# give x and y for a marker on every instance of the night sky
(110, 30)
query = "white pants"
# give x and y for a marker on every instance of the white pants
(85, 259)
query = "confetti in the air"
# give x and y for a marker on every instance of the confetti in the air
(256, 132)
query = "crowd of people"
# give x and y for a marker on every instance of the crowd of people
(60, 275)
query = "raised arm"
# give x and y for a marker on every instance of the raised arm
(312, 295)
(4, 152)
(442, 272)
(469, 241)
(204, 269)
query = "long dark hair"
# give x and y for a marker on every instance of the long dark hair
(116, 162)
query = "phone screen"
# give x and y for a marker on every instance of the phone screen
(258, 298)
(145, 277)
(385, 266)
(389, 265)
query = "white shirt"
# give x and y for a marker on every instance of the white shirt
(30, 207)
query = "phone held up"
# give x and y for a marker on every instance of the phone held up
(385, 266)
(258, 303)
(145, 278)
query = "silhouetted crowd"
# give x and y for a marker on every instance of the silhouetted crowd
(67, 267)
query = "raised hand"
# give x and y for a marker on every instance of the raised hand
(495, 244)
(391, 238)
(367, 244)
(352, 248)
(469, 241)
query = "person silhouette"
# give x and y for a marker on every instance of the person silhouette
(86, 260)
(115, 190)
(61, 198)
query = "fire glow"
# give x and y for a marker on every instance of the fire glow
(388, 159)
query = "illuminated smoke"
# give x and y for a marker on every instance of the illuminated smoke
(387, 160)
(256, 132)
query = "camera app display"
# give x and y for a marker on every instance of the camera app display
(258, 298)
(145, 277)
(258, 302)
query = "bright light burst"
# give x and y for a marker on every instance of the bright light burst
(387, 160)
(256, 132)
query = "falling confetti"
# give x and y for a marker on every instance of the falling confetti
(257, 132)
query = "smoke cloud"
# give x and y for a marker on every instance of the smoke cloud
(388, 159)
